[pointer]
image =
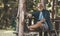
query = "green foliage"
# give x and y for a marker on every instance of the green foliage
(58, 11)
(6, 15)
(49, 5)
(31, 5)
(1, 0)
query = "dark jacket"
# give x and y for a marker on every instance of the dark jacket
(46, 15)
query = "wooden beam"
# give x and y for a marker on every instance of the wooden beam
(53, 12)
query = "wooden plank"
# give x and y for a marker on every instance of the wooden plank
(31, 34)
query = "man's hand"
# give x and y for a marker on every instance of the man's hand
(43, 20)
(29, 15)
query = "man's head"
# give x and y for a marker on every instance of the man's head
(40, 6)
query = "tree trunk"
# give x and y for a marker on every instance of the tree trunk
(43, 2)
(21, 11)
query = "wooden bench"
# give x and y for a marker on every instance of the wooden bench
(31, 34)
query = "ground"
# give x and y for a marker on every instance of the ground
(6, 33)
(9, 33)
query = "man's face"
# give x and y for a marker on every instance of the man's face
(40, 7)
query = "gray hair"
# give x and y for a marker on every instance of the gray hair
(40, 4)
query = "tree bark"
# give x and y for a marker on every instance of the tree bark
(43, 2)
(21, 11)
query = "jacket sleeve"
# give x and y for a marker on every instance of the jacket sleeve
(47, 16)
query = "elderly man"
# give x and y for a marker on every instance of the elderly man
(42, 19)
